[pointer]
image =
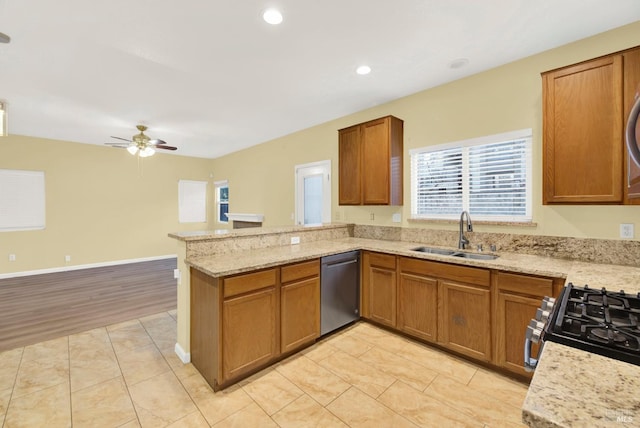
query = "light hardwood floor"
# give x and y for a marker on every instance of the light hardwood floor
(127, 375)
(41, 307)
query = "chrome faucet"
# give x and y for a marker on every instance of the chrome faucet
(462, 240)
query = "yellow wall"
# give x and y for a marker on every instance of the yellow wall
(100, 207)
(261, 178)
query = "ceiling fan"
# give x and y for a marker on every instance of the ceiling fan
(141, 144)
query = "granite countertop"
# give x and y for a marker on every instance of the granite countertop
(562, 392)
(574, 388)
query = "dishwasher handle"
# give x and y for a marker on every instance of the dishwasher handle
(340, 263)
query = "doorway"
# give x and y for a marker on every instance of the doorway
(313, 193)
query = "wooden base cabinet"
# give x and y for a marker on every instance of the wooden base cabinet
(250, 323)
(379, 288)
(466, 319)
(242, 323)
(517, 297)
(417, 299)
(300, 305)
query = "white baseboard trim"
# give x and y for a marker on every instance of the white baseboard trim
(185, 357)
(87, 266)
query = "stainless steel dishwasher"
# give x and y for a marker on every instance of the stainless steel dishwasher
(339, 290)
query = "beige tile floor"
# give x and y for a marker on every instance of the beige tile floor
(127, 375)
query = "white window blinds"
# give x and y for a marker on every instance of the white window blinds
(490, 177)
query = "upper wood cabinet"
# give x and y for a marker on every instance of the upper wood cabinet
(583, 132)
(370, 162)
(585, 106)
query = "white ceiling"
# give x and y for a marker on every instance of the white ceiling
(211, 77)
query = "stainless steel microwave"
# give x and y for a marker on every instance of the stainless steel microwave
(632, 132)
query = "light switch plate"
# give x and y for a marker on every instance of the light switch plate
(295, 240)
(396, 218)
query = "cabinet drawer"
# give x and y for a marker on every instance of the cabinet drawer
(382, 260)
(531, 285)
(466, 274)
(248, 282)
(300, 270)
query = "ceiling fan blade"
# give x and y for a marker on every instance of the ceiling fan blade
(156, 142)
(123, 139)
(162, 146)
(118, 145)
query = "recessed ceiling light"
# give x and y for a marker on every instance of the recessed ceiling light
(272, 16)
(363, 69)
(458, 63)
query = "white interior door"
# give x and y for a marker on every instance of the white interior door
(313, 193)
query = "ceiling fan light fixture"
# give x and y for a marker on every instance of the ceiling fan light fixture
(132, 149)
(146, 152)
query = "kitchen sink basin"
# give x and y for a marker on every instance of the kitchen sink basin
(475, 256)
(455, 253)
(432, 250)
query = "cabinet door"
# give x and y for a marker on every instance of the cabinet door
(349, 160)
(513, 313)
(583, 133)
(249, 332)
(466, 319)
(382, 296)
(631, 87)
(300, 313)
(375, 162)
(417, 305)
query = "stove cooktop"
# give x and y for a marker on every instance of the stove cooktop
(599, 321)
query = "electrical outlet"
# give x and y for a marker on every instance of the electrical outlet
(337, 215)
(372, 216)
(295, 240)
(12, 257)
(396, 218)
(176, 274)
(626, 230)
(67, 259)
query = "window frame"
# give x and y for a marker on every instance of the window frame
(465, 145)
(218, 185)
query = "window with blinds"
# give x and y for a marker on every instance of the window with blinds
(490, 177)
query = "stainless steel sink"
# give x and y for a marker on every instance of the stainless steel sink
(475, 256)
(432, 250)
(455, 253)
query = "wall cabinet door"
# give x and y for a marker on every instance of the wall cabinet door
(300, 313)
(370, 162)
(417, 305)
(466, 319)
(249, 332)
(349, 183)
(583, 133)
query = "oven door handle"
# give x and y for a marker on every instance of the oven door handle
(529, 363)
(533, 335)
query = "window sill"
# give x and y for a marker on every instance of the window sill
(482, 222)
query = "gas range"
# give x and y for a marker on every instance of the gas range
(594, 320)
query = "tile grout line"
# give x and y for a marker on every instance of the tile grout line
(135, 411)
(13, 388)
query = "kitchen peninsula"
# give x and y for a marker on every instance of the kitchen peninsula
(558, 369)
